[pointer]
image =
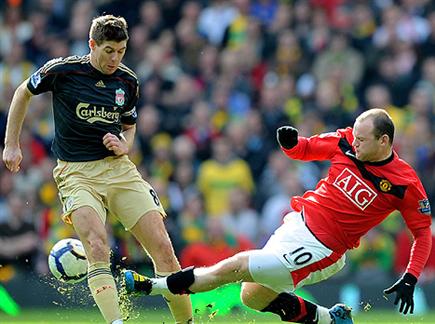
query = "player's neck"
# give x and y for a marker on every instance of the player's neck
(94, 63)
(383, 156)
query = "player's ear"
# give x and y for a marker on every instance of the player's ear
(385, 139)
(92, 43)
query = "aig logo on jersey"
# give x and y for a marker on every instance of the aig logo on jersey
(355, 189)
(119, 97)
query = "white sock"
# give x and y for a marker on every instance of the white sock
(323, 315)
(159, 286)
(119, 321)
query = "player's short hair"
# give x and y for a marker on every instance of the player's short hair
(108, 28)
(382, 122)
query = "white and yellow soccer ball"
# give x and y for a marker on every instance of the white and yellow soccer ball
(67, 261)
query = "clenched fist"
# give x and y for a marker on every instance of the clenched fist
(287, 136)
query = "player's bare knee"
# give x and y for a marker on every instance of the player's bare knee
(247, 298)
(256, 296)
(247, 295)
(251, 302)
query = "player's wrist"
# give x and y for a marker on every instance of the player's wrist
(124, 142)
(410, 279)
(11, 144)
(122, 138)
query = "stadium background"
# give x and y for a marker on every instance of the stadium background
(217, 78)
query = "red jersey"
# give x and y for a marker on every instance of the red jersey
(356, 196)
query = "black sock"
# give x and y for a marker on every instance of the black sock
(179, 282)
(292, 308)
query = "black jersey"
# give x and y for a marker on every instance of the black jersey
(87, 104)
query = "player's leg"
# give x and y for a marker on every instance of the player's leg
(135, 203)
(272, 291)
(150, 231)
(192, 280)
(292, 249)
(79, 186)
(287, 306)
(245, 266)
(91, 231)
(233, 269)
(292, 258)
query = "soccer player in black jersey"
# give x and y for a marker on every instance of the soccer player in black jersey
(94, 98)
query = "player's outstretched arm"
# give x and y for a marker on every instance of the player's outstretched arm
(12, 154)
(404, 289)
(287, 136)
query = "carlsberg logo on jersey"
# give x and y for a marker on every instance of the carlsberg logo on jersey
(93, 114)
(355, 189)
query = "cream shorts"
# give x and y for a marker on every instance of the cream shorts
(111, 186)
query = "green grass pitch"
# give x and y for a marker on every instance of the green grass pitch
(219, 306)
(82, 316)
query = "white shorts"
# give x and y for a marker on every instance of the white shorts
(293, 257)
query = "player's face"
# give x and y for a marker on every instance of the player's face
(107, 56)
(367, 147)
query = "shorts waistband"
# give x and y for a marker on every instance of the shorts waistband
(317, 238)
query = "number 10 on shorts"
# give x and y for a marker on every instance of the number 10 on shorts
(300, 256)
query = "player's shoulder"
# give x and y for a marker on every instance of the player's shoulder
(127, 73)
(406, 171)
(406, 166)
(338, 134)
(60, 64)
(345, 132)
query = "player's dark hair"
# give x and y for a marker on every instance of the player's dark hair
(382, 123)
(108, 28)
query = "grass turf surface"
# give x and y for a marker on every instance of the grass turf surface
(82, 316)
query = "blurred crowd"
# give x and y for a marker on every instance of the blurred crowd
(217, 78)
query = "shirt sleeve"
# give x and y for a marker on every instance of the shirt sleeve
(417, 215)
(44, 79)
(420, 251)
(129, 116)
(317, 147)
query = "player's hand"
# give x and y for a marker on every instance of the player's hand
(12, 158)
(287, 136)
(404, 289)
(113, 143)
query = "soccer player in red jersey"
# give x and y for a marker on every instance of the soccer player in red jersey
(366, 182)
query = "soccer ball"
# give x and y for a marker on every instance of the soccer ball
(67, 261)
